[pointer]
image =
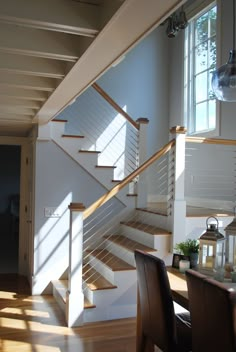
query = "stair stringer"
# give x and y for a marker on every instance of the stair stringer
(88, 161)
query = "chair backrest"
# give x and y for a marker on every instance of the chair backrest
(220, 304)
(213, 309)
(195, 283)
(156, 304)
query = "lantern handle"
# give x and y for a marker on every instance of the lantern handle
(212, 217)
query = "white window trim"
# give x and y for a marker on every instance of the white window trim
(192, 11)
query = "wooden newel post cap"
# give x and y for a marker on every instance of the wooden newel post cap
(143, 120)
(76, 206)
(178, 130)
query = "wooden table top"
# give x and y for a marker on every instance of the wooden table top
(178, 286)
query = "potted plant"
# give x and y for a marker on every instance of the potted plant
(189, 248)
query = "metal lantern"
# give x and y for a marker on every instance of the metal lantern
(230, 245)
(211, 253)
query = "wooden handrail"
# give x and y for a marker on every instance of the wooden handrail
(210, 140)
(102, 200)
(115, 105)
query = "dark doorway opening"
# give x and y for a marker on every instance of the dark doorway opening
(9, 207)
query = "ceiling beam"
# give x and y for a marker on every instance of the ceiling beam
(37, 42)
(28, 82)
(19, 103)
(29, 65)
(16, 110)
(11, 118)
(56, 15)
(134, 20)
(23, 94)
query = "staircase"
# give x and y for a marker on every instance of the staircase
(109, 273)
(88, 159)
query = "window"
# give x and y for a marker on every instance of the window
(200, 61)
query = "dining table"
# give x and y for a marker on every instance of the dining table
(178, 285)
(179, 289)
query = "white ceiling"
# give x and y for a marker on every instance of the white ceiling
(52, 50)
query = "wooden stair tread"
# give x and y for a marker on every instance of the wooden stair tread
(62, 287)
(110, 260)
(89, 151)
(59, 120)
(94, 280)
(71, 136)
(105, 166)
(128, 243)
(152, 230)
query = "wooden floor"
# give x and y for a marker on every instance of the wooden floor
(36, 324)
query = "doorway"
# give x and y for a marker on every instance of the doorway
(10, 161)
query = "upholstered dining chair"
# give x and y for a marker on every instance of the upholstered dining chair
(157, 323)
(195, 281)
(213, 314)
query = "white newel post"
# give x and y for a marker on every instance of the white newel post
(75, 296)
(142, 150)
(178, 203)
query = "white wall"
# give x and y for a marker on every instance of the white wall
(59, 181)
(140, 83)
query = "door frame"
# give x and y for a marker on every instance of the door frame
(26, 225)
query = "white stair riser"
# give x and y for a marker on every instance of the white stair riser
(101, 268)
(121, 252)
(104, 174)
(143, 237)
(57, 129)
(112, 276)
(88, 160)
(152, 219)
(127, 282)
(71, 145)
(59, 300)
(99, 297)
(110, 312)
(162, 244)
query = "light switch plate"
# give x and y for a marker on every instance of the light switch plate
(52, 212)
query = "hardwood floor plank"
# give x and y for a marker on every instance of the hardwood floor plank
(36, 324)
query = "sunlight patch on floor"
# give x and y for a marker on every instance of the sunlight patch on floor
(25, 312)
(8, 295)
(10, 345)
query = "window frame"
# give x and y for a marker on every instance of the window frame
(189, 80)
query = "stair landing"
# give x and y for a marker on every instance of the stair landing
(191, 211)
